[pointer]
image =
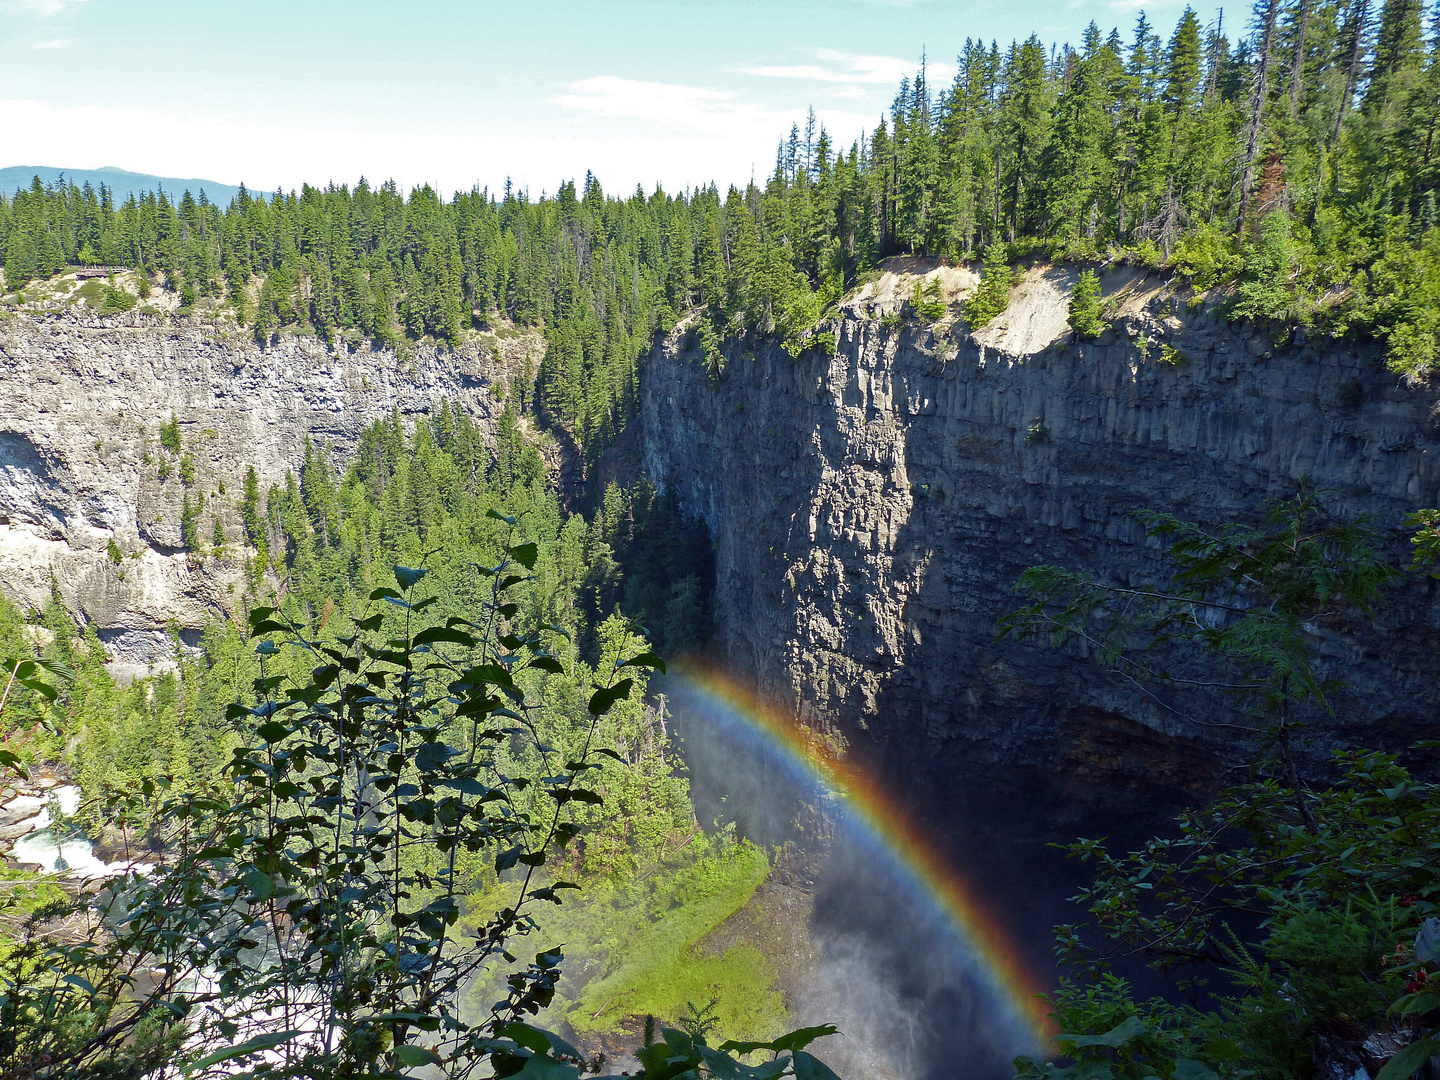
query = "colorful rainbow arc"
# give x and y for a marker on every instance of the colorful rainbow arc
(894, 829)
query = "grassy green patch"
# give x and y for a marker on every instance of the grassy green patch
(631, 946)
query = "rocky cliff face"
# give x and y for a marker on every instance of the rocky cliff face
(872, 510)
(90, 500)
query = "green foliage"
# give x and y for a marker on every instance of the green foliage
(1267, 288)
(404, 495)
(1124, 147)
(170, 435)
(1205, 257)
(190, 510)
(637, 941)
(1342, 890)
(1087, 307)
(992, 296)
(1425, 543)
(929, 301)
(117, 300)
(281, 828)
(112, 549)
(187, 471)
(1337, 879)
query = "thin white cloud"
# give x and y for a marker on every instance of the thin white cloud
(53, 43)
(841, 67)
(39, 7)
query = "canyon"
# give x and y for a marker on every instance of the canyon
(870, 508)
(873, 509)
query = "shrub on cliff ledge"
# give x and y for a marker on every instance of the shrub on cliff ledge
(992, 296)
(1087, 306)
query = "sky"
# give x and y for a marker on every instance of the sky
(460, 94)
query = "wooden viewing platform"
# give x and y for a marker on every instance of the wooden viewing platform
(98, 271)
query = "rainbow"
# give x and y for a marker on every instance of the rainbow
(889, 826)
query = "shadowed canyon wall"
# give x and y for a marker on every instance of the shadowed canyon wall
(872, 510)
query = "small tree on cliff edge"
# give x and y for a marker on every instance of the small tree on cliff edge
(1087, 307)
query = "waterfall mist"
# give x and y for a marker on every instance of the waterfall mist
(889, 967)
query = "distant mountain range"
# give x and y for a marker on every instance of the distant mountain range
(119, 181)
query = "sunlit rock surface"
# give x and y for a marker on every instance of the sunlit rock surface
(83, 502)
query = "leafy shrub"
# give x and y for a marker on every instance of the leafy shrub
(1206, 256)
(1404, 305)
(187, 471)
(992, 296)
(1086, 306)
(190, 520)
(360, 799)
(1266, 289)
(1338, 879)
(112, 549)
(117, 300)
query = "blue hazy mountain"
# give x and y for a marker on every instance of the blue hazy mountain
(119, 181)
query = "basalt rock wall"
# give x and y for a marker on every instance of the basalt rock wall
(91, 502)
(871, 511)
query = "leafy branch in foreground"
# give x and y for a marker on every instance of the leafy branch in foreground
(303, 918)
(27, 673)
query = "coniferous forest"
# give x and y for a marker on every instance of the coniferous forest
(1299, 164)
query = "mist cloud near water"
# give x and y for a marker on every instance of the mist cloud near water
(890, 968)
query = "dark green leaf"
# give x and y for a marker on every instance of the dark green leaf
(409, 576)
(646, 660)
(412, 1056)
(273, 731)
(260, 884)
(809, 1067)
(443, 633)
(81, 982)
(601, 701)
(1119, 1035)
(525, 555)
(542, 1067)
(538, 1039)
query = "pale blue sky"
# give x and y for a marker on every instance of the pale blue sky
(455, 93)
